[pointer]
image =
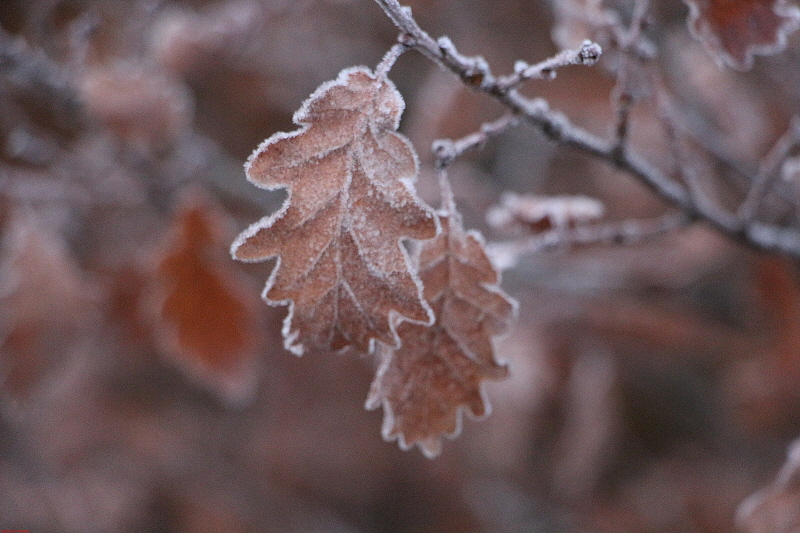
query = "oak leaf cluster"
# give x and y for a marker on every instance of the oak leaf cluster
(364, 264)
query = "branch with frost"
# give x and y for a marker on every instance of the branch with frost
(571, 221)
(447, 150)
(626, 232)
(475, 72)
(588, 54)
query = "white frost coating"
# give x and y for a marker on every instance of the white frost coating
(446, 44)
(279, 136)
(396, 318)
(503, 255)
(561, 211)
(301, 118)
(289, 336)
(476, 64)
(432, 446)
(380, 391)
(407, 181)
(301, 115)
(495, 288)
(251, 230)
(382, 118)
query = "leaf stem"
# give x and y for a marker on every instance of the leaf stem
(389, 59)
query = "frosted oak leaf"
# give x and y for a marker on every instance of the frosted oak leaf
(342, 268)
(735, 30)
(439, 371)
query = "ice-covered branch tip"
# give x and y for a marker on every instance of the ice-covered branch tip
(588, 54)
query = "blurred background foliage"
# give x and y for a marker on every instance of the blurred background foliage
(143, 384)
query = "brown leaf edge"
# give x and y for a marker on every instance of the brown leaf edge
(481, 368)
(291, 341)
(781, 19)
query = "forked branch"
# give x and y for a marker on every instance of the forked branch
(475, 72)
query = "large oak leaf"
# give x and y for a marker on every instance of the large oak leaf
(342, 268)
(439, 371)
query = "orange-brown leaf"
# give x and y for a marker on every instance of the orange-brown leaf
(341, 266)
(439, 371)
(735, 30)
(207, 320)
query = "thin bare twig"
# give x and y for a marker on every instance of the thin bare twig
(475, 72)
(446, 150)
(686, 170)
(588, 54)
(630, 40)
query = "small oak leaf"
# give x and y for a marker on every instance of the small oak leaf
(206, 318)
(735, 30)
(439, 371)
(341, 268)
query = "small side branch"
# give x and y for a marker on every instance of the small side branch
(626, 232)
(623, 105)
(588, 54)
(446, 150)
